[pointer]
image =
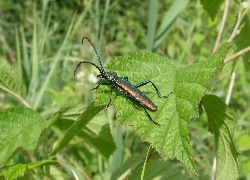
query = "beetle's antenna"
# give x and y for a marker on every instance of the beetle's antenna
(86, 62)
(98, 57)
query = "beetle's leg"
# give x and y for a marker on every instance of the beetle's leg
(109, 98)
(102, 83)
(149, 115)
(126, 77)
(157, 90)
(150, 118)
(105, 83)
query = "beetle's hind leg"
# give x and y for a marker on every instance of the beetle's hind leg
(157, 90)
(149, 117)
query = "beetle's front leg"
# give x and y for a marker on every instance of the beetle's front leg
(111, 88)
(102, 83)
(110, 98)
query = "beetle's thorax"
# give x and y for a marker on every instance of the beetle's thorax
(109, 76)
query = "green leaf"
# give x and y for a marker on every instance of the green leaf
(127, 168)
(211, 7)
(166, 170)
(90, 112)
(241, 41)
(13, 172)
(222, 122)
(10, 80)
(97, 133)
(169, 19)
(189, 84)
(18, 170)
(152, 23)
(70, 113)
(76, 173)
(20, 128)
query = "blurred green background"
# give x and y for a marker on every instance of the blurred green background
(42, 40)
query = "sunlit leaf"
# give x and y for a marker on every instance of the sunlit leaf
(211, 7)
(20, 128)
(222, 122)
(189, 84)
(10, 80)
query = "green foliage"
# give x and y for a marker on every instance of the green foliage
(169, 19)
(18, 170)
(58, 139)
(152, 22)
(211, 7)
(189, 84)
(129, 166)
(20, 128)
(10, 80)
(241, 41)
(29, 127)
(166, 169)
(222, 122)
(97, 133)
(13, 172)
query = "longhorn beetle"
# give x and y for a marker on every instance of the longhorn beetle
(123, 86)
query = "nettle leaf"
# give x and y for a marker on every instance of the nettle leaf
(189, 84)
(10, 80)
(18, 170)
(14, 172)
(222, 121)
(20, 128)
(96, 133)
(92, 135)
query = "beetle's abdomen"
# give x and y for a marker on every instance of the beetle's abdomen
(131, 91)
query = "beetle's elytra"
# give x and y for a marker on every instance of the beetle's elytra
(124, 86)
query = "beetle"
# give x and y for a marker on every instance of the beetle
(123, 86)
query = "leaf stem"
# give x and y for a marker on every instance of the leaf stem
(215, 49)
(214, 169)
(145, 162)
(241, 15)
(22, 100)
(230, 89)
(239, 53)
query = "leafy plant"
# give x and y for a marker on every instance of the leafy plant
(189, 85)
(46, 137)
(22, 128)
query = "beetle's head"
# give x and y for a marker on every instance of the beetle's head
(108, 76)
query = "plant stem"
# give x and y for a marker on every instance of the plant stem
(23, 101)
(215, 49)
(239, 53)
(222, 26)
(230, 89)
(240, 17)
